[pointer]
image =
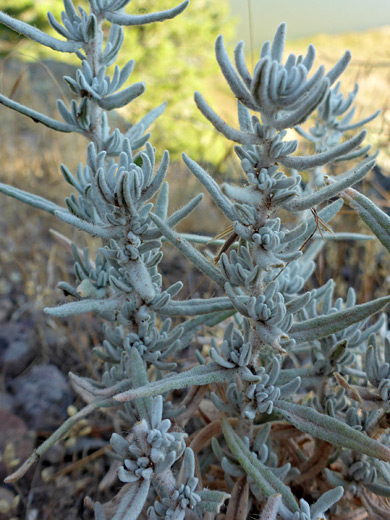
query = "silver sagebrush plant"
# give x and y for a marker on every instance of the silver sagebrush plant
(292, 359)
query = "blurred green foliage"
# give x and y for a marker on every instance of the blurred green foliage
(25, 10)
(174, 60)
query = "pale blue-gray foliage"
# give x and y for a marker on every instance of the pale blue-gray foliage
(153, 449)
(187, 497)
(317, 510)
(287, 352)
(235, 349)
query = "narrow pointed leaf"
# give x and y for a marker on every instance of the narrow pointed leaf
(229, 132)
(81, 307)
(122, 98)
(88, 227)
(131, 505)
(189, 251)
(301, 163)
(271, 508)
(161, 209)
(212, 500)
(371, 214)
(142, 19)
(196, 307)
(331, 430)
(237, 86)
(326, 501)
(56, 436)
(37, 117)
(29, 198)
(140, 378)
(202, 375)
(37, 35)
(212, 187)
(301, 204)
(263, 476)
(322, 326)
(186, 210)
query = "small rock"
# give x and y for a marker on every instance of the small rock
(55, 455)
(15, 346)
(42, 396)
(16, 442)
(32, 514)
(5, 308)
(6, 402)
(8, 503)
(17, 357)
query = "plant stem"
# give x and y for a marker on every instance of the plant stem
(94, 54)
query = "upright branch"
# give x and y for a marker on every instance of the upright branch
(294, 365)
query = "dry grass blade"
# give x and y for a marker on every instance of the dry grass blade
(238, 503)
(191, 401)
(223, 233)
(228, 243)
(203, 438)
(15, 86)
(377, 507)
(310, 469)
(218, 484)
(224, 248)
(319, 222)
(82, 462)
